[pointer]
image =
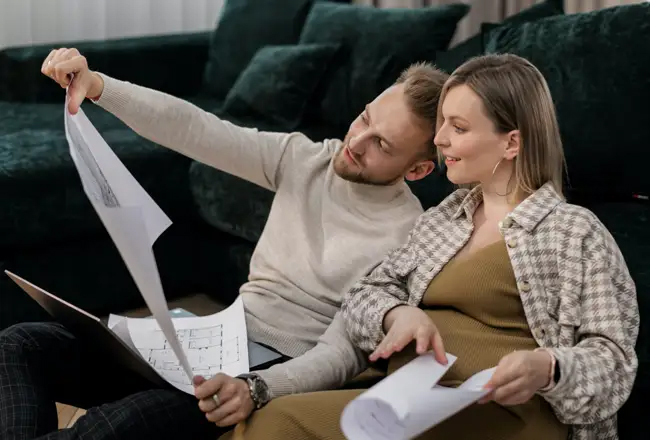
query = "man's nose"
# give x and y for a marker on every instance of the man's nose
(357, 143)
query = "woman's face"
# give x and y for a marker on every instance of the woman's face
(470, 143)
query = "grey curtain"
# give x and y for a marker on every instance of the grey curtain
(492, 10)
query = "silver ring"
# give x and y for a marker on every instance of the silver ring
(216, 400)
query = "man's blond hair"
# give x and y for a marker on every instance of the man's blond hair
(423, 84)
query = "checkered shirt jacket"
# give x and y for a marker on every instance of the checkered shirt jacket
(576, 290)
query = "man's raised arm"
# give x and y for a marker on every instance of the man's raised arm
(174, 123)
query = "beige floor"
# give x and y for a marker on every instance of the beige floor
(198, 304)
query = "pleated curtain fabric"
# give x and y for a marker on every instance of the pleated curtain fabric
(27, 22)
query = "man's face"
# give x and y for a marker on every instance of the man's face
(386, 142)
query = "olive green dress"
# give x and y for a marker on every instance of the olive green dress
(475, 305)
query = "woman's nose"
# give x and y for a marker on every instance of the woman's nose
(440, 140)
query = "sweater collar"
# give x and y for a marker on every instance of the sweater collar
(378, 194)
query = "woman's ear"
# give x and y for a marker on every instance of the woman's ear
(514, 144)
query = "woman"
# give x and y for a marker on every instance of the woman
(504, 273)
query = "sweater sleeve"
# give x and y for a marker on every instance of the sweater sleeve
(247, 153)
(329, 365)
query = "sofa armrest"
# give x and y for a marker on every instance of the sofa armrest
(170, 63)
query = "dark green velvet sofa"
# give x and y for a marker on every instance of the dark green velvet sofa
(308, 66)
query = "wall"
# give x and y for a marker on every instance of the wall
(26, 22)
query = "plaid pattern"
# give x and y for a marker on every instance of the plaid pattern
(575, 288)
(42, 363)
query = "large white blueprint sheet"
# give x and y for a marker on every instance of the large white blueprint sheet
(409, 401)
(134, 221)
(212, 344)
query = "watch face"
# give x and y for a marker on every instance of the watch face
(261, 394)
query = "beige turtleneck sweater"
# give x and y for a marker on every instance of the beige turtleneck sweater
(323, 233)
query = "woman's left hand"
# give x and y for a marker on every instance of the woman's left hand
(518, 377)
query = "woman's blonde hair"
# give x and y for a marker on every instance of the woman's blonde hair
(515, 96)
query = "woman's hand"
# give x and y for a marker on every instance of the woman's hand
(62, 65)
(405, 324)
(518, 377)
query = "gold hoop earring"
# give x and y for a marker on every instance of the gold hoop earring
(496, 166)
(509, 180)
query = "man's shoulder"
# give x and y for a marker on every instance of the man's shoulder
(307, 152)
(305, 159)
(305, 144)
(332, 145)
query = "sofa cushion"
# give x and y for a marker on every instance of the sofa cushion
(598, 70)
(380, 43)
(229, 203)
(278, 83)
(42, 197)
(149, 61)
(244, 27)
(450, 60)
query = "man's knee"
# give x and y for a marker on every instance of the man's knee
(24, 334)
(163, 413)
(36, 342)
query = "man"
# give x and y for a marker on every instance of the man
(339, 207)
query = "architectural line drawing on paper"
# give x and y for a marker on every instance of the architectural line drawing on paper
(91, 172)
(206, 350)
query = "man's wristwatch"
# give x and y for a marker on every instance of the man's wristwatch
(260, 393)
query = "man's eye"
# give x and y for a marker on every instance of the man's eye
(383, 146)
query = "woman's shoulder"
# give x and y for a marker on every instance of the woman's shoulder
(575, 212)
(578, 221)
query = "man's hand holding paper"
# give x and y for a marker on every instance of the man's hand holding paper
(64, 64)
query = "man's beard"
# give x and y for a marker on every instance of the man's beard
(345, 173)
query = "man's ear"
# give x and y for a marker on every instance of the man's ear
(420, 170)
(514, 145)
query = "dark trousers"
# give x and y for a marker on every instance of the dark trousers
(43, 363)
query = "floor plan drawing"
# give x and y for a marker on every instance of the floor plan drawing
(211, 344)
(207, 351)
